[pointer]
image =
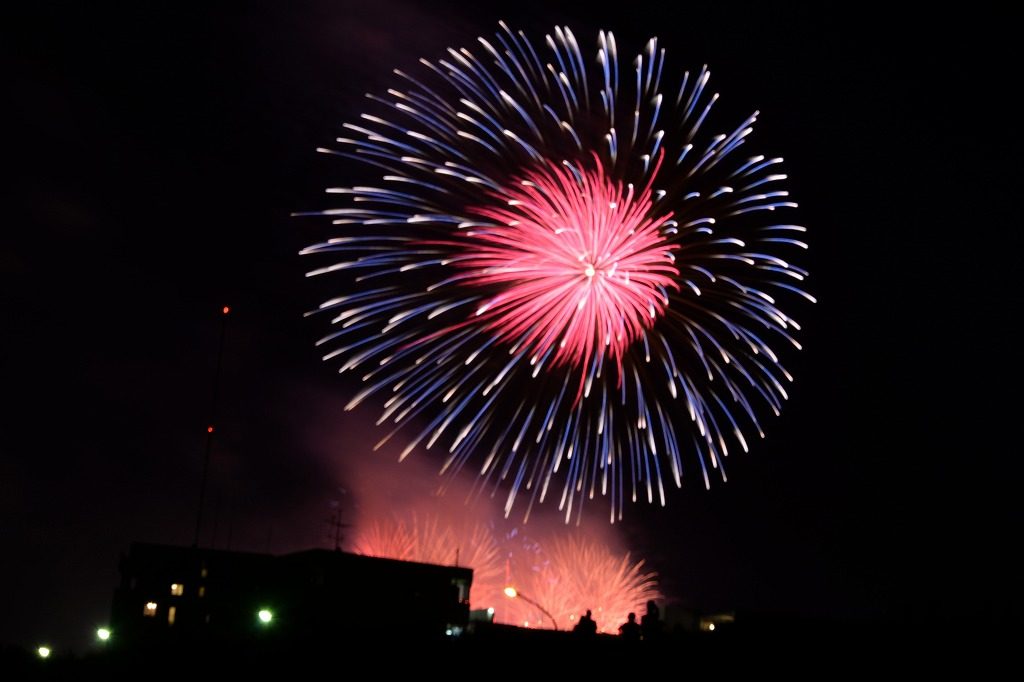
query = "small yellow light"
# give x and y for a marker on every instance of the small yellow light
(711, 627)
(103, 634)
(265, 616)
(510, 592)
(43, 651)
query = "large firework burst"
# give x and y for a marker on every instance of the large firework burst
(562, 278)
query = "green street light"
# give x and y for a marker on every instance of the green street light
(265, 616)
(43, 651)
(103, 634)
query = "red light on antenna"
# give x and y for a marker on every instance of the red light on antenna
(209, 429)
(226, 309)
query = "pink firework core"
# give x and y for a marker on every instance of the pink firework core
(581, 261)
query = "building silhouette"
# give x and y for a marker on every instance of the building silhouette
(181, 595)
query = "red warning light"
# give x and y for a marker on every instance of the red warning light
(209, 429)
(226, 310)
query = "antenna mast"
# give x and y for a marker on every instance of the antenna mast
(209, 429)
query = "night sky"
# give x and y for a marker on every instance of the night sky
(158, 152)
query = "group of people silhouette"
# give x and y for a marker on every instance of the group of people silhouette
(648, 628)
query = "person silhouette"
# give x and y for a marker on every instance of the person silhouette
(650, 624)
(586, 627)
(630, 630)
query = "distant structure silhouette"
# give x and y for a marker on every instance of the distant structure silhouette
(630, 630)
(336, 526)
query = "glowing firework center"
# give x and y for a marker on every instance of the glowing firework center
(581, 264)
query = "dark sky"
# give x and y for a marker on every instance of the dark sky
(158, 151)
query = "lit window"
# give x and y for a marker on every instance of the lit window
(203, 573)
(202, 590)
(171, 613)
(149, 609)
(177, 589)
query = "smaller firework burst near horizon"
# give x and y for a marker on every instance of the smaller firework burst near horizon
(564, 574)
(427, 540)
(577, 574)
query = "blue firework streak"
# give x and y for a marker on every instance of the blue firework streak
(459, 146)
